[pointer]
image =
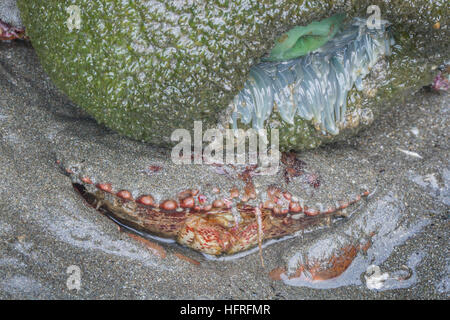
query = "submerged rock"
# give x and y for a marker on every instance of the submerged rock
(145, 68)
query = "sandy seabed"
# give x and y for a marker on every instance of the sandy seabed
(45, 227)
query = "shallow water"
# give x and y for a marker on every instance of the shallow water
(45, 226)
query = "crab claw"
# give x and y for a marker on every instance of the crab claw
(8, 32)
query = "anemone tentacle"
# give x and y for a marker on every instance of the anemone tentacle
(314, 87)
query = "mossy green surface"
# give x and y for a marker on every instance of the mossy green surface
(147, 67)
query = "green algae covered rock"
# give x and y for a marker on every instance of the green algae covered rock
(147, 67)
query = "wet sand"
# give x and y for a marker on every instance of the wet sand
(45, 227)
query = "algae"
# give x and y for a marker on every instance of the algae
(147, 67)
